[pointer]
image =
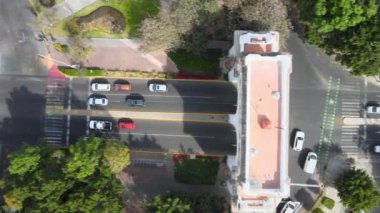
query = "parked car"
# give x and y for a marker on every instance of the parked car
(157, 87)
(121, 86)
(135, 101)
(289, 207)
(125, 125)
(299, 139)
(101, 87)
(94, 101)
(373, 109)
(100, 125)
(376, 148)
(310, 163)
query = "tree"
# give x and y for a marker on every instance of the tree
(76, 179)
(167, 205)
(84, 159)
(116, 156)
(325, 16)
(24, 161)
(357, 190)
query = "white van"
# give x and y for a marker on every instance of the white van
(310, 163)
(99, 87)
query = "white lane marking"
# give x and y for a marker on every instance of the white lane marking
(164, 96)
(69, 109)
(307, 185)
(88, 106)
(166, 135)
(349, 147)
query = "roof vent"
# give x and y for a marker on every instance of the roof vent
(276, 95)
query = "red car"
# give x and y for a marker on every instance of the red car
(126, 125)
(122, 87)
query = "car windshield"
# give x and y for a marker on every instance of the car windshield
(313, 157)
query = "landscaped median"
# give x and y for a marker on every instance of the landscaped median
(96, 72)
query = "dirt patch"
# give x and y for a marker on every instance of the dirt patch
(104, 18)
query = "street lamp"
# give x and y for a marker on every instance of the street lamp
(74, 66)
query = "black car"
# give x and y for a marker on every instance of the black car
(135, 101)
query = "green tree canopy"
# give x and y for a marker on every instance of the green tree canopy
(116, 156)
(76, 179)
(167, 205)
(357, 190)
(328, 15)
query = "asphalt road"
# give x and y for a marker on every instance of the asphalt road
(18, 47)
(182, 96)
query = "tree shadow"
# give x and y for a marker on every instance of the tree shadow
(25, 122)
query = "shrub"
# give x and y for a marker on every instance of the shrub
(61, 47)
(47, 3)
(196, 171)
(115, 73)
(318, 210)
(328, 202)
(72, 26)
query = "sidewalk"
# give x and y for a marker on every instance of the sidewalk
(118, 54)
(69, 7)
(168, 116)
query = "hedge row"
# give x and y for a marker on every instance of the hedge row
(115, 73)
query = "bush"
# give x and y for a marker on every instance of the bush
(115, 73)
(328, 202)
(47, 3)
(196, 171)
(61, 47)
(72, 26)
(81, 72)
(318, 210)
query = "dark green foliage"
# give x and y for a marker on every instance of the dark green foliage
(357, 190)
(328, 202)
(62, 180)
(167, 205)
(318, 210)
(196, 171)
(61, 47)
(206, 63)
(206, 203)
(347, 29)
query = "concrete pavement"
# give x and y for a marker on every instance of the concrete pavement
(117, 54)
(69, 7)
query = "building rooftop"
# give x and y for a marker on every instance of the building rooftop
(263, 129)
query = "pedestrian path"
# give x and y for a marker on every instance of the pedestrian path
(55, 93)
(69, 7)
(351, 106)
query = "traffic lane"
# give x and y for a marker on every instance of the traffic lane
(305, 106)
(372, 138)
(80, 89)
(218, 90)
(189, 137)
(167, 104)
(78, 128)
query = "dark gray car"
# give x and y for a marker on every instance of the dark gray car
(135, 101)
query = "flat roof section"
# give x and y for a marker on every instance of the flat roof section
(264, 121)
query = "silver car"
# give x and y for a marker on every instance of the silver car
(98, 101)
(101, 87)
(299, 139)
(100, 125)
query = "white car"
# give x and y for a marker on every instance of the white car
(101, 87)
(100, 125)
(373, 109)
(157, 87)
(376, 148)
(290, 207)
(299, 139)
(98, 101)
(310, 163)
